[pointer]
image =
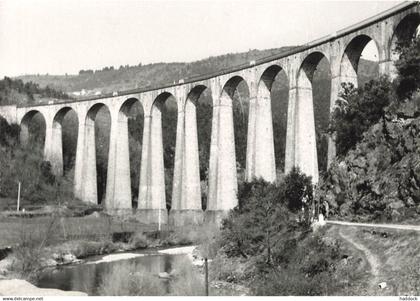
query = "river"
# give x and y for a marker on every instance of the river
(87, 276)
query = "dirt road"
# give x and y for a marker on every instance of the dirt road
(386, 226)
(370, 257)
(386, 256)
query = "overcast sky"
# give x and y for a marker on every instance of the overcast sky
(64, 36)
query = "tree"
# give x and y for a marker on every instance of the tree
(46, 172)
(253, 227)
(9, 134)
(408, 66)
(357, 110)
(297, 185)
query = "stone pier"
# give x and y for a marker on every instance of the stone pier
(222, 175)
(186, 197)
(152, 199)
(118, 185)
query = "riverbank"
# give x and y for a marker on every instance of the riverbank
(150, 271)
(32, 254)
(19, 287)
(38, 243)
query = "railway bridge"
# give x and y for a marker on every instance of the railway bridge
(342, 49)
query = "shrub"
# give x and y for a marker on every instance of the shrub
(181, 238)
(138, 241)
(188, 235)
(26, 165)
(256, 225)
(264, 243)
(82, 248)
(29, 252)
(297, 186)
(292, 282)
(307, 268)
(9, 134)
(261, 217)
(230, 269)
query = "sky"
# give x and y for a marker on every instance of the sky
(65, 36)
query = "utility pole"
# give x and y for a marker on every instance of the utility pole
(18, 198)
(159, 218)
(206, 269)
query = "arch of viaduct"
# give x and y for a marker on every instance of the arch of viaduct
(342, 50)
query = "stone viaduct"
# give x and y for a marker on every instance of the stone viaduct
(342, 49)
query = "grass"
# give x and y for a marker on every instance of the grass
(303, 266)
(232, 269)
(186, 235)
(67, 228)
(99, 227)
(398, 254)
(86, 236)
(353, 270)
(29, 253)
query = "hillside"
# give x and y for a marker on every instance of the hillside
(380, 178)
(20, 93)
(110, 79)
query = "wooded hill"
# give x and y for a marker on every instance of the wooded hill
(111, 78)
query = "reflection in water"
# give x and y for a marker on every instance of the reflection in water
(88, 277)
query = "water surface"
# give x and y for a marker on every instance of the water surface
(87, 277)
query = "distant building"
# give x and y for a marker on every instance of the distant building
(79, 93)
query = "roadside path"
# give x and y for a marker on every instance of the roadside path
(371, 258)
(347, 232)
(388, 226)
